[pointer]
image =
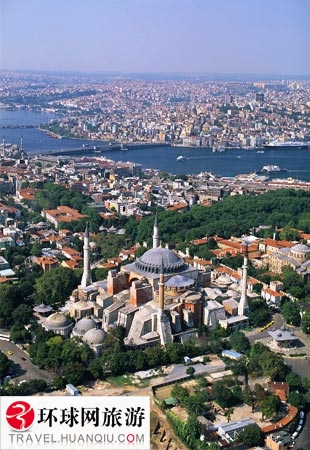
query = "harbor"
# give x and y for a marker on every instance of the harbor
(163, 157)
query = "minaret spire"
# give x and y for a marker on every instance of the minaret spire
(86, 278)
(243, 307)
(161, 294)
(21, 148)
(155, 233)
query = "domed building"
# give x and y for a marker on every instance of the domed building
(148, 266)
(95, 338)
(82, 326)
(59, 323)
(296, 257)
(178, 284)
(147, 297)
(150, 262)
(301, 252)
(43, 309)
(80, 309)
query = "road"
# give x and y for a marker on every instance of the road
(22, 367)
(299, 365)
(303, 440)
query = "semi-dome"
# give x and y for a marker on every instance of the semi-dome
(57, 320)
(152, 260)
(83, 326)
(95, 336)
(224, 279)
(81, 305)
(180, 281)
(232, 293)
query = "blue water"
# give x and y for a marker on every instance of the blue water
(230, 163)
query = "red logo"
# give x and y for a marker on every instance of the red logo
(20, 415)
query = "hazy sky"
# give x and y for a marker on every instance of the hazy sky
(197, 36)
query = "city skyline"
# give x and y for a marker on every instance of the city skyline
(156, 36)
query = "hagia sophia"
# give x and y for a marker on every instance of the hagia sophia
(158, 298)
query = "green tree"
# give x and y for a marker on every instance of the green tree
(291, 313)
(259, 313)
(305, 323)
(10, 298)
(54, 357)
(35, 250)
(252, 435)
(190, 371)
(223, 395)
(297, 399)
(239, 341)
(75, 349)
(95, 369)
(4, 365)
(229, 413)
(99, 273)
(19, 334)
(288, 234)
(291, 279)
(54, 286)
(270, 405)
(293, 380)
(59, 382)
(273, 365)
(37, 385)
(22, 314)
(74, 372)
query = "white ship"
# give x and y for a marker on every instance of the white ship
(271, 168)
(288, 144)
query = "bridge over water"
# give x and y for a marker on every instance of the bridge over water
(87, 150)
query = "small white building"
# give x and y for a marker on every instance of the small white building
(72, 390)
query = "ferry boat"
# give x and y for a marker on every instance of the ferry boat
(287, 144)
(271, 168)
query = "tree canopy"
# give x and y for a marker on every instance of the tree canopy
(55, 286)
(252, 435)
(281, 208)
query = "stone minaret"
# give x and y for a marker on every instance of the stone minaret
(243, 307)
(161, 293)
(155, 234)
(86, 278)
(163, 322)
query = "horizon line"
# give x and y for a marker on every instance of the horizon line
(164, 73)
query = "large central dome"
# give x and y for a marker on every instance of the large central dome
(152, 260)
